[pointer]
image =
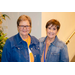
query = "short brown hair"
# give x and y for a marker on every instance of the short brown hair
(23, 18)
(53, 22)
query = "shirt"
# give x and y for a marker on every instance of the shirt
(31, 57)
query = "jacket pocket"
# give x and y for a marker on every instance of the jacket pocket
(54, 57)
(17, 51)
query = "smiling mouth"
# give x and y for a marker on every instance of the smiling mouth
(24, 31)
(51, 34)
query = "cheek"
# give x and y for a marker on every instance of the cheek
(29, 29)
(47, 30)
(56, 31)
(19, 30)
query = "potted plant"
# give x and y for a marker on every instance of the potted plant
(3, 37)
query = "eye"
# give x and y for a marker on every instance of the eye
(49, 27)
(21, 26)
(27, 26)
(54, 28)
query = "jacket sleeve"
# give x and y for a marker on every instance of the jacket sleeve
(64, 54)
(6, 52)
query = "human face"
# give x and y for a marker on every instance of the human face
(51, 31)
(24, 28)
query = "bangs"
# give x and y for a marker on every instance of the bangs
(53, 22)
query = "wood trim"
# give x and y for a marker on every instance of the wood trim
(0, 59)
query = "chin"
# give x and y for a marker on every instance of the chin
(51, 37)
(24, 34)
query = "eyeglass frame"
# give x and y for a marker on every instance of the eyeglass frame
(22, 26)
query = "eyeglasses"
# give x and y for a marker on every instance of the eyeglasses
(22, 26)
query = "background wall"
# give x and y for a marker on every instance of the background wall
(0, 13)
(12, 23)
(71, 47)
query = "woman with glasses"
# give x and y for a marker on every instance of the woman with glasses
(21, 47)
(51, 48)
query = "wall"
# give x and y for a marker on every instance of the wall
(71, 48)
(12, 23)
(0, 13)
(67, 21)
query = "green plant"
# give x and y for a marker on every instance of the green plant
(3, 37)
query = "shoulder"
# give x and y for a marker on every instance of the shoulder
(61, 44)
(11, 40)
(13, 37)
(41, 39)
(34, 39)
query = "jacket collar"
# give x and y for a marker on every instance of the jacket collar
(18, 40)
(54, 42)
(33, 41)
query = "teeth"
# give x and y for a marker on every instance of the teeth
(50, 33)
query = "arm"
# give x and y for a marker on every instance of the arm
(64, 54)
(6, 52)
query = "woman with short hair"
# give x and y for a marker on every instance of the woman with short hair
(51, 48)
(22, 47)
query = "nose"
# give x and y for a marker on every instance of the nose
(51, 30)
(24, 27)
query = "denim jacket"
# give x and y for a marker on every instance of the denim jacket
(57, 51)
(16, 50)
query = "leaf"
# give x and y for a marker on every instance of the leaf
(2, 36)
(4, 15)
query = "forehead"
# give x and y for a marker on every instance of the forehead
(51, 25)
(24, 22)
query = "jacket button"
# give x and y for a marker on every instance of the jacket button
(38, 48)
(34, 55)
(18, 48)
(31, 48)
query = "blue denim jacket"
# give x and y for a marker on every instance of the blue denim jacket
(16, 50)
(57, 51)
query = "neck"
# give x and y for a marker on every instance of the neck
(49, 40)
(24, 37)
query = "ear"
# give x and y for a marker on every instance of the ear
(57, 32)
(18, 28)
(30, 30)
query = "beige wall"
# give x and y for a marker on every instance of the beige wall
(67, 21)
(0, 13)
(71, 48)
